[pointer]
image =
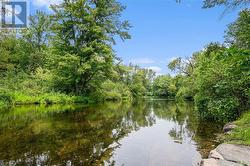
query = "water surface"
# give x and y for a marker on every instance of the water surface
(150, 132)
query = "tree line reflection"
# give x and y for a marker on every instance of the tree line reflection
(78, 135)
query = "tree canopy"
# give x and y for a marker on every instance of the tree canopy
(227, 3)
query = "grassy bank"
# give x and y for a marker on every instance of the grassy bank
(10, 98)
(241, 134)
(17, 98)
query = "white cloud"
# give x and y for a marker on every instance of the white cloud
(155, 69)
(44, 3)
(142, 61)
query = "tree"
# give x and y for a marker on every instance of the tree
(7, 43)
(227, 3)
(15, 53)
(222, 83)
(85, 29)
(182, 66)
(164, 86)
(38, 32)
(139, 80)
(238, 31)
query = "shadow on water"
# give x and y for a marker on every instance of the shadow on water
(147, 132)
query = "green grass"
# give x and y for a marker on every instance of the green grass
(12, 98)
(241, 135)
(19, 98)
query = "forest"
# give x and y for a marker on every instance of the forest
(67, 57)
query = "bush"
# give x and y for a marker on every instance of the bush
(222, 84)
(113, 91)
(164, 86)
(222, 110)
(5, 98)
(184, 93)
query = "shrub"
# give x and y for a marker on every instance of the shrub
(184, 93)
(113, 91)
(5, 98)
(222, 84)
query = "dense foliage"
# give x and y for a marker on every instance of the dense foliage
(164, 86)
(218, 77)
(68, 57)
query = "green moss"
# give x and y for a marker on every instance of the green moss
(241, 135)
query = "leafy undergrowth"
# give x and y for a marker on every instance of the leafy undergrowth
(241, 135)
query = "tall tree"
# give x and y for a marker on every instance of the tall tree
(84, 32)
(182, 66)
(38, 32)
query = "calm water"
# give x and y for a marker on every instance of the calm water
(151, 132)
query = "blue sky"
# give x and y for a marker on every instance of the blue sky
(164, 29)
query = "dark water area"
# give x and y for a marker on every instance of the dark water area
(149, 132)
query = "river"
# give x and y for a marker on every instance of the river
(142, 133)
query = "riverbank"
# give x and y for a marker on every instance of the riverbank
(240, 134)
(228, 155)
(19, 98)
(15, 98)
(236, 149)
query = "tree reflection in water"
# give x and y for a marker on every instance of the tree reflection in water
(77, 135)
